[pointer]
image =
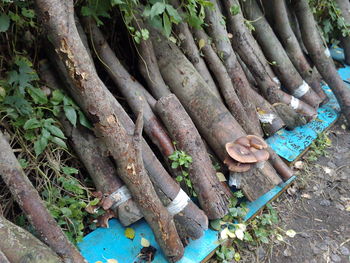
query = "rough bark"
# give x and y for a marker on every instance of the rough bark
(32, 205)
(275, 52)
(320, 57)
(246, 115)
(191, 221)
(344, 6)
(91, 153)
(212, 197)
(131, 90)
(58, 18)
(244, 45)
(190, 49)
(291, 45)
(213, 120)
(19, 246)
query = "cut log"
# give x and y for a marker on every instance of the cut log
(58, 19)
(211, 195)
(19, 246)
(32, 205)
(101, 169)
(131, 89)
(320, 55)
(212, 119)
(291, 45)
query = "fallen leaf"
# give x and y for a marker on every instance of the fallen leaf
(112, 260)
(237, 257)
(239, 234)
(107, 203)
(102, 220)
(221, 177)
(201, 43)
(129, 233)
(91, 209)
(279, 237)
(343, 126)
(98, 262)
(229, 35)
(307, 196)
(299, 165)
(291, 233)
(145, 242)
(224, 234)
(327, 170)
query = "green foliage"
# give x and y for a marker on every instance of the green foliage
(181, 160)
(234, 10)
(330, 20)
(319, 147)
(27, 107)
(67, 202)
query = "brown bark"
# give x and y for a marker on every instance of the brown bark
(58, 18)
(321, 59)
(291, 45)
(212, 197)
(344, 6)
(131, 90)
(210, 116)
(32, 205)
(19, 246)
(90, 151)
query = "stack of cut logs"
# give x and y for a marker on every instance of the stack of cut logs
(215, 92)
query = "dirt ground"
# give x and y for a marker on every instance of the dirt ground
(317, 207)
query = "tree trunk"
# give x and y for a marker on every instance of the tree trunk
(210, 116)
(211, 195)
(30, 202)
(344, 6)
(90, 151)
(19, 246)
(131, 90)
(275, 52)
(58, 18)
(292, 46)
(320, 56)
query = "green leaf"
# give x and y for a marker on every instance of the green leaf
(179, 178)
(83, 120)
(4, 22)
(45, 133)
(69, 170)
(66, 211)
(29, 13)
(215, 224)
(70, 114)
(166, 25)
(57, 97)
(24, 163)
(21, 105)
(59, 142)
(234, 10)
(56, 131)
(157, 9)
(31, 124)
(174, 165)
(40, 145)
(37, 95)
(174, 15)
(116, 2)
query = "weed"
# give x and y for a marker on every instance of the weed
(319, 147)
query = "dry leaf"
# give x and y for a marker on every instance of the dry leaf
(299, 165)
(201, 43)
(291, 233)
(112, 260)
(307, 196)
(145, 242)
(102, 220)
(91, 209)
(239, 234)
(107, 203)
(129, 233)
(221, 177)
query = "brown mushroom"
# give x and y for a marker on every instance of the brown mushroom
(260, 155)
(235, 166)
(257, 142)
(240, 153)
(244, 141)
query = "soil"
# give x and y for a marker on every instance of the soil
(316, 207)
